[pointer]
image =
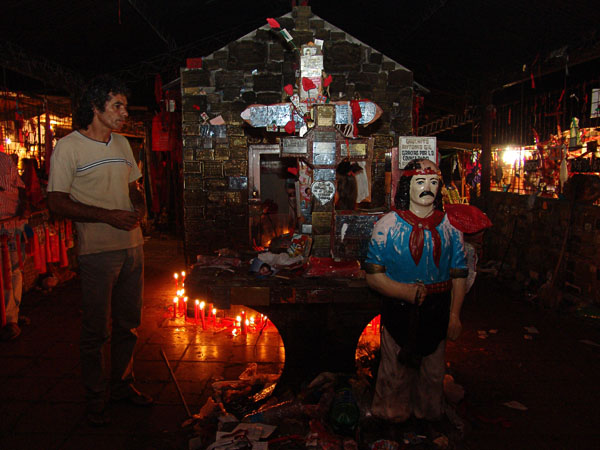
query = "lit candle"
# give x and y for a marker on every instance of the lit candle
(183, 278)
(185, 299)
(202, 314)
(214, 316)
(176, 276)
(244, 323)
(196, 308)
(175, 302)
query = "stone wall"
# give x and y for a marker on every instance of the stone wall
(528, 237)
(253, 70)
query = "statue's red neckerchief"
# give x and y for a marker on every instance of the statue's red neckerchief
(417, 236)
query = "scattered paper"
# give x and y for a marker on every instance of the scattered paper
(516, 405)
(493, 331)
(532, 330)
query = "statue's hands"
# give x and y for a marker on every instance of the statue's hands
(420, 293)
(454, 327)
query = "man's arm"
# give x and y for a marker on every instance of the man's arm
(408, 292)
(61, 204)
(459, 287)
(137, 199)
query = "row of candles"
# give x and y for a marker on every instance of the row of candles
(208, 315)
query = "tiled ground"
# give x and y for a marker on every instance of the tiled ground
(554, 374)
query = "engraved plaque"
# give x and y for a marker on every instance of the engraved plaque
(321, 222)
(280, 115)
(238, 183)
(213, 169)
(358, 149)
(368, 111)
(324, 159)
(293, 146)
(343, 149)
(324, 175)
(325, 115)
(324, 136)
(258, 116)
(342, 114)
(323, 147)
(323, 191)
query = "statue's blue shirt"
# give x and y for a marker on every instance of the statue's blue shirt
(389, 247)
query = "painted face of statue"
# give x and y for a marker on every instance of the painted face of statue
(424, 188)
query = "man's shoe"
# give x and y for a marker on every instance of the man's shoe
(96, 414)
(131, 395)
(9, 332)
(24, 320)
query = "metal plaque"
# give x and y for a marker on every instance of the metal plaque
(213, 169)
(343, 149)
(324, 159)
(324, 174)
(325, 115)
(358, 149)
(323, 191)
(321, 222)
(280, 115)
(258, 116)
(293, 146)
(342, 114)
(323, 147)
(368, 111)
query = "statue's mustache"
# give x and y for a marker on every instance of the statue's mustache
(424, 193)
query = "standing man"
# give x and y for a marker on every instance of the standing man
(93, 182)
(416, 260)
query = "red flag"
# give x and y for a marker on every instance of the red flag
(327, 81)
(290, 127)
(289, 89)
(273, 23)
(307, 84)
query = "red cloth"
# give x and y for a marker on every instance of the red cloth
(6, 265)
(160, 132)
(417, 235)
(467, 218)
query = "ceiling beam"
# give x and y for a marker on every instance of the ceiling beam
(14, 58)
(142, 10)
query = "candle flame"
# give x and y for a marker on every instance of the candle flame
(185, 299)
(175, 275)
(183, 273)
(175, 300)
(247, 322)
(238, 319)
(252, 320)
(202, 305)
(197, 302)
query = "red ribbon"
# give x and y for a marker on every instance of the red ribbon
(417, 235)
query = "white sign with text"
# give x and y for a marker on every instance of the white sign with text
(416, 147)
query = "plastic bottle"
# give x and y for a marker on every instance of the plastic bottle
(344, 413)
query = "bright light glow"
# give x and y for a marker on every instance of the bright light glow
(197, 302)
(214, 311)
(8, 141)
(183, 274)
(510, 155)
(202, 305)
(185, 299)
(175, 300)
(175, 275)
(238, 319)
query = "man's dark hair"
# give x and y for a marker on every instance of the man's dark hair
(402, 198)
(95, 95)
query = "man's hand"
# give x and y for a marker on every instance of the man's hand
(122, 219)
(420, 293)
(454, 327)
